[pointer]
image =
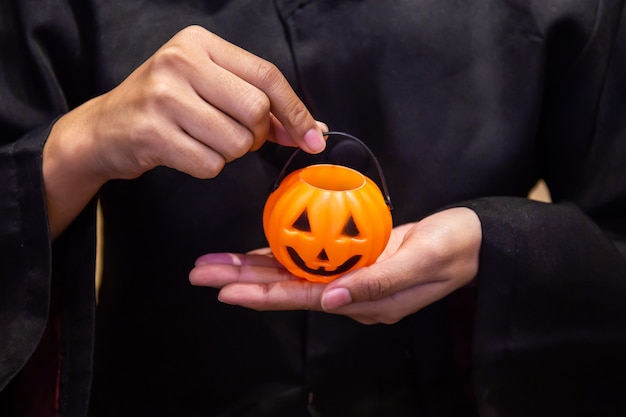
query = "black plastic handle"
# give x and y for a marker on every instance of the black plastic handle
(383, 182)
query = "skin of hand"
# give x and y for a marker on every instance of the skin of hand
(196, 104)
(422, 263)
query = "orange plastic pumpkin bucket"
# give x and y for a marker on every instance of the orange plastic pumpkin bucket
(324, 220)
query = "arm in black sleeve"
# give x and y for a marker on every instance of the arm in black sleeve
(43, 75)
(550, 329)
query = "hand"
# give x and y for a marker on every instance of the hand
(422, 263)
(196, 104)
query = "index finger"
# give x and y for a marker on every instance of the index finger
(285, 105)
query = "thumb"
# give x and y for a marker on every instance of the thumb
(413, 263)
(370, 283)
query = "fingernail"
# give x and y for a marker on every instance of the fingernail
(323, 126)
(314, 141)
(335, 298)
(219, 258)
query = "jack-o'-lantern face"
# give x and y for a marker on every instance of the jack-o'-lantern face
(321, 264)
(326, 220)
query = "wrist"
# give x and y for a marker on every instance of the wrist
(70, 152)
(70, 172)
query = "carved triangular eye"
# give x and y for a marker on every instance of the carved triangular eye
(302, 223)
(350, 228)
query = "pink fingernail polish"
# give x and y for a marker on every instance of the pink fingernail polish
(219, 258)
(335, 298)
(315, 141)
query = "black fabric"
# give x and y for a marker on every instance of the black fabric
(25, 267)
(463, 103)
(544, 336)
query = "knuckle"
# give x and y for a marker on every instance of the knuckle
(258, 108)
(210, 167)
(170, 57)
(268, 74)
(258, 121)
(244, 145)
(310, 300)
(215, 167)
(241, 143)
(377, 288)
(298, 113)
(160, 92)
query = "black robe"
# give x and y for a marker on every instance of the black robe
(463, 103)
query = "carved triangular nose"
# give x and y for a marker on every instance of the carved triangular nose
(322, 256)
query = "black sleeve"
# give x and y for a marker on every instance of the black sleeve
(25, 246)
(550, 328)
(42, 75)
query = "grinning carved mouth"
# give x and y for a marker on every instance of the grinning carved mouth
(344, 267)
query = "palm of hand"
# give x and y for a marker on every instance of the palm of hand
(422, 263)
